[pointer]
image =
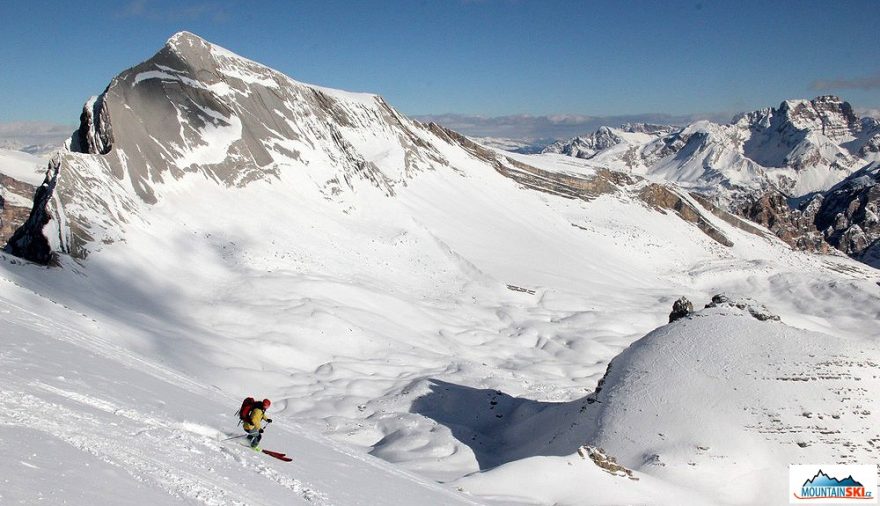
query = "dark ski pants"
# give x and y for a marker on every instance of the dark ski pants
(254, 437)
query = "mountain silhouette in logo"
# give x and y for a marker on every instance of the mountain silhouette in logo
(823, 480)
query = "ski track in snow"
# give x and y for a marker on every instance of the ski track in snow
(119, 436)
(158, 451)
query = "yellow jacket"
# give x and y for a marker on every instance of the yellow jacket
(253, 422)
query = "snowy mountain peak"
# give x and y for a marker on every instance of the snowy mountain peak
(828, 115)
(184, 38)
(195, 108)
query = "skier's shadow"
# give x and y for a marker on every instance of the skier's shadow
(500, 428)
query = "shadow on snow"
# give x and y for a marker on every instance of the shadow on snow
(500, 428)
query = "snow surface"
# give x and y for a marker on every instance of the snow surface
(84, 421)
(23, 166)
(350, 317)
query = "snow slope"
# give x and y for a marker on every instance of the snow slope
(22, 166)
(719, 401)
(347, 319)
(84, 421)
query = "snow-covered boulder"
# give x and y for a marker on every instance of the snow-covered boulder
(681, 308)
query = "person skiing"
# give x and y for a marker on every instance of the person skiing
(252, 417)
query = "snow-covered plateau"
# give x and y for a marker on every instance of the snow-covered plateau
(435, 322)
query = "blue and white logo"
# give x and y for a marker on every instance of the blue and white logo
(833, 484)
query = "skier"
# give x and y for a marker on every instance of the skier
(252, 417)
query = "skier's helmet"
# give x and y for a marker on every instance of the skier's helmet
(266, 403)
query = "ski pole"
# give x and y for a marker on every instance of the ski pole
(234, 437)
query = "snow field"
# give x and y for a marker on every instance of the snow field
(87, 420)
(355, 319)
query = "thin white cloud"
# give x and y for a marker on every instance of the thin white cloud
(867, 112)
(558, 126)
(183, 11)
(18, 134)
(858, 83)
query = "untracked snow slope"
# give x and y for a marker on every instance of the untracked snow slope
(22, 166)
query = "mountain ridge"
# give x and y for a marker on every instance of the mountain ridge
(757, 164)
(195, 107)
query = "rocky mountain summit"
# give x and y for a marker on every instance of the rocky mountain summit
(195, 107)
(587, 147)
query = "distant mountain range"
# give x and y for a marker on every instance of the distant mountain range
(772, 166)
(801, 147)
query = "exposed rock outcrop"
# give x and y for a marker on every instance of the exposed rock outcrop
(797, 148)
(588, 145)
(195, 107)
(564, 185)
(756, 309)
(665, 197)
(95, 135)
(13, 216)
(849, 215)
(681, 308)
(794, 226)
(28, 241)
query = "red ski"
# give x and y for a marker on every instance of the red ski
(278, 455)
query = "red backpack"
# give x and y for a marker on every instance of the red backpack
(247, 405)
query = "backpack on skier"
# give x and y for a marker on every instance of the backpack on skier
(247, 405)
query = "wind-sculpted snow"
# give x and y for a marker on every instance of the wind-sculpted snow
(86, 422)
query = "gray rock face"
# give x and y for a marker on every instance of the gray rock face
(666, 197)
(785, 137)
(166, 116)
(798, 148)
(828, 114)
(13, 216)
(28, 241)
(647, 128)
(794, 225)
(95, 135)
(772, 166)
(850, 212)
(871, 146)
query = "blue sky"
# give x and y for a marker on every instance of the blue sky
(471, 57)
